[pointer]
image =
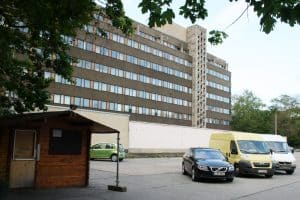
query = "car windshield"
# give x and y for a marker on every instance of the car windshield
(208, 154)
(279, 147)
(253, 147)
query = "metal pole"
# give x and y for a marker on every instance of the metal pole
(275, 122)
(118, 149)
(117, 187)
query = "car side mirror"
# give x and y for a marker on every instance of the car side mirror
(234, 151)
(226, 158)
(292, 150)
(271, 151)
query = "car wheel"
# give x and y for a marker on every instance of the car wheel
(229, 180)
(114, 158)
(121, 159)
(269, 175)
(237, 170)
(183, 169)
(194, 174)
(290, 172)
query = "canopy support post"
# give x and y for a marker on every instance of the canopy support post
(117, 187)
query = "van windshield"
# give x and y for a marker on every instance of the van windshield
(253, 147)
(278, 147)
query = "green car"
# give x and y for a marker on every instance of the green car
(106, 151)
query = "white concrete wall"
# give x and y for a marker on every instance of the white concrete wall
(150, 137)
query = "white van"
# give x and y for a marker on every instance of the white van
(282, 157)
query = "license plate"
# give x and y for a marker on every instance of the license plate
(219, 173)
(286, 168)
(262, 171)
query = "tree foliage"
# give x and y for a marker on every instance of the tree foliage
(248, 114)
(288, 117)
(268, 12)
(31, 42)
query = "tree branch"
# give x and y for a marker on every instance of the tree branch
(246, 9)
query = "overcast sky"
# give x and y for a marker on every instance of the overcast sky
(268, 65)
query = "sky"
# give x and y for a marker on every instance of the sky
(266, 64)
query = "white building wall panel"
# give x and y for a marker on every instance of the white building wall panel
(158, 138)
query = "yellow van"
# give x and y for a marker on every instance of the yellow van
(246, 151)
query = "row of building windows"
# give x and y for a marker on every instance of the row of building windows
(118, 72)
(131, 75)
(167, 44)
(217, 86)
(92, 29)
(144, 63)
(218, 75)
(104, 105)
(129, 42)
(218, 109)
(217, 97)
(217, 121)
(146, 35)
(80, 82)
(216, 64)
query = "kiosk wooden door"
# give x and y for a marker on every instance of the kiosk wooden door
(22, 167)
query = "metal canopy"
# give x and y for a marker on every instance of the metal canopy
(68, 116)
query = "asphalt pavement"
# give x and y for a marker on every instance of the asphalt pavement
(161, 179)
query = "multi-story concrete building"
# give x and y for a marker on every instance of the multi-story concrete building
(160, 75)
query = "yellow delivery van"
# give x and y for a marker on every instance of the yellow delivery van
(248, 152)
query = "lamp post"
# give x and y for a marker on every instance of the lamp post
(275, 122)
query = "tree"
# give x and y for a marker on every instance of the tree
(31, 37)
(285, 102)
(288, 115)
(248, 114)
(31, 41)
(160, 13)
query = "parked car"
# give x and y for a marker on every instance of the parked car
(210, 163)
(106, 151)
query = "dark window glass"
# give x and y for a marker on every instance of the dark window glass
(65, 142)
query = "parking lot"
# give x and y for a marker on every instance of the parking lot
(161, 178)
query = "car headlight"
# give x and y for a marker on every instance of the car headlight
(245, 156)
(231, 168)
(275, 163)
(202, 167)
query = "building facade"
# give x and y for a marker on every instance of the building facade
(156, 75)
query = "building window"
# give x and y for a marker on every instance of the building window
(80, 44)
(56, 98)
(65, 142)
(77, 101)
(86, 103)
(89, 46)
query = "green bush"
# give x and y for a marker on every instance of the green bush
(294, 141)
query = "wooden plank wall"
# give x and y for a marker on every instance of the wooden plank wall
(61, 170)
(4, 143)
